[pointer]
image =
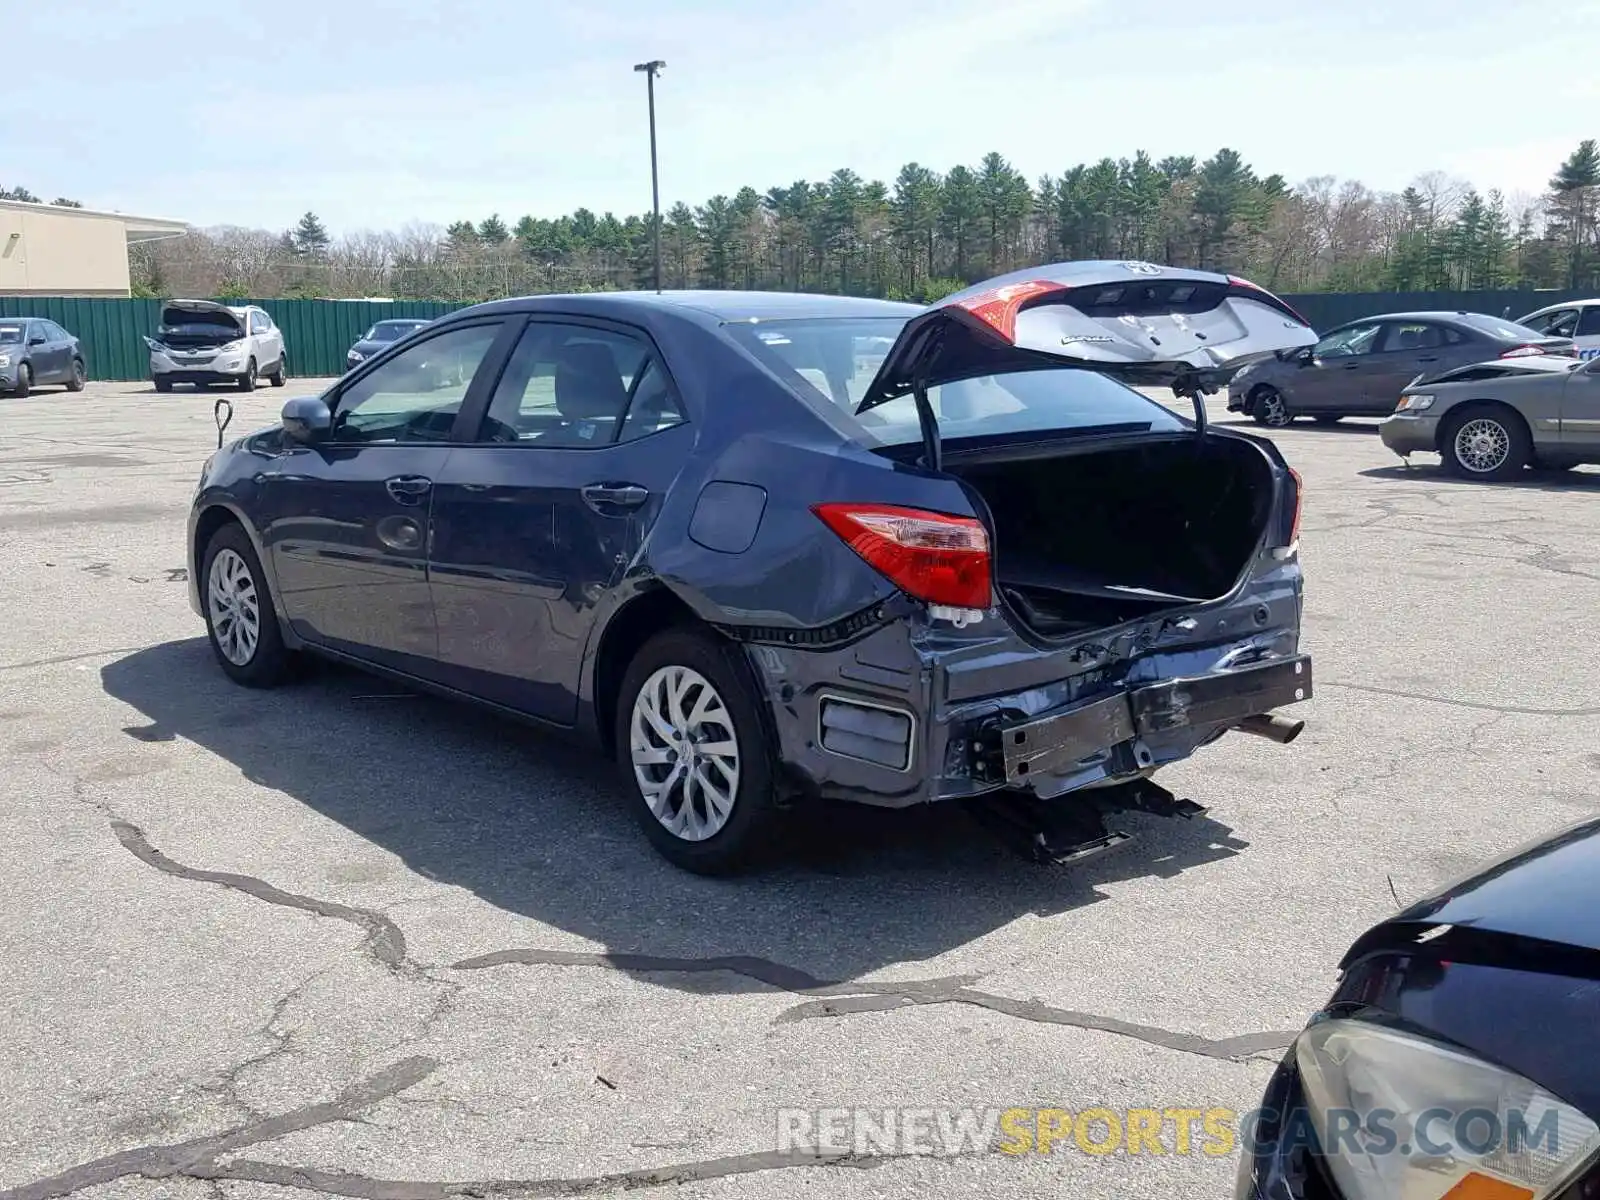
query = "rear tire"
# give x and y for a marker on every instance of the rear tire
(241, 622)
(247, 381)
(79, 376)
(1268, 407)
(24, 382)
(696, 754)
(280, 373)
(1485, 441)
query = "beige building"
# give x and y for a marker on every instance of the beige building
(51, 251)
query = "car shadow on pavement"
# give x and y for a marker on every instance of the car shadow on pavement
(1530, 480)
(538, 826)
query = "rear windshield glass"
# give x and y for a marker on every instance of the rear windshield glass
(1501, 328)
(391, 331)
(833, 361)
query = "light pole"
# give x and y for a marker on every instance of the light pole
(651, 69)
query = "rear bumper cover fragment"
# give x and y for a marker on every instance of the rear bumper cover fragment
(1053, 743)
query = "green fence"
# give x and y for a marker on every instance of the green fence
(319, 332)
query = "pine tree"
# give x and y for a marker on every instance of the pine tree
(493, 232)
(310, 238)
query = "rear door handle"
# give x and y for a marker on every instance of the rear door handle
(408, 489)
(621, 495)
(1429, 358)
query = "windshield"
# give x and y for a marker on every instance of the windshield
(833, 361)
(392, 331)
(1509, 331)
(10, 333)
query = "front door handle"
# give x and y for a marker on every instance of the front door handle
(408, 489)
(1352, 366)
(620, 495)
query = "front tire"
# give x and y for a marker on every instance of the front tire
(24, 386)
(695, 753)
(241, 622)
(247, 381)
(1268, 408)
(1487, 442)
(162, 385)
(79, 376)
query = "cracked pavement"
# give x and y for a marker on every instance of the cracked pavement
(338, 939)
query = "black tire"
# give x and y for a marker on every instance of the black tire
(247, 381)
(748, 830)
(1269, 408)
(79, 376)
(162, 385)
(1497, 427)
(1328, 418)
(268, 663)
(280, 373)
(24, 386)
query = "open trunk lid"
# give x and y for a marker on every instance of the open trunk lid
(1144, 324)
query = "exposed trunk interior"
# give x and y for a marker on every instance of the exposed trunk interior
(1087, 540)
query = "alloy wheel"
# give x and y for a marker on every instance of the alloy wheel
(234, 607)
(1271, 409)
(1482, 445)
(684, 752)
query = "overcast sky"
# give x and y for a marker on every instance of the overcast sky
(383, 112)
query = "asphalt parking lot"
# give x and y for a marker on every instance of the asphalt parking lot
(337, 936)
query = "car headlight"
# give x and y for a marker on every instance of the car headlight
(5, 360)
(355, 356)
(1415, 402)
(1403, 1118)
(236, 345)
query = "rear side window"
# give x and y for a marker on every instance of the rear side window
(1510, 331)
(833, 362)
(579, 387)
(1410, 337)
(1589, 321)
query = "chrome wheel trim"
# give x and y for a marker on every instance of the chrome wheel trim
(234, 606)
(1482, 445)
(685, 754)
(1270, 405)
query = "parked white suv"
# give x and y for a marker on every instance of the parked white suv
(203, 342)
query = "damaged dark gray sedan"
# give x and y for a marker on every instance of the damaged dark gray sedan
(766, 548)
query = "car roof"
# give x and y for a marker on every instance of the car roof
(720, 305)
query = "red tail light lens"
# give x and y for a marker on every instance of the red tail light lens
(998, 308)
(933, 556)
(1278, 301)
(1299, 492)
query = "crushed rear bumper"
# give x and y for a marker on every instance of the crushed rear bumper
(907, 715)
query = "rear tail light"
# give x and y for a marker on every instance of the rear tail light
(1268, 297)
(935, 557)
(999, 307)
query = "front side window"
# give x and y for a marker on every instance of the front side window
(571, 386)
(416, 395)
(833, 361)
(1358, 339)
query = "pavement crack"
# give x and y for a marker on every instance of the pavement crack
(1481, 706)
(208, 1159)
(67, 658)
(199, 1157)
(832, 999)
(384, 940)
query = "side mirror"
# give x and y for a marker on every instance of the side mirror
(307, 419)
(37, 339)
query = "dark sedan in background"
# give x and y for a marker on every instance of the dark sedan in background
(34, 351)
(1458, 1055)
(379, 338)
(1359, 369)
(763, 548)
